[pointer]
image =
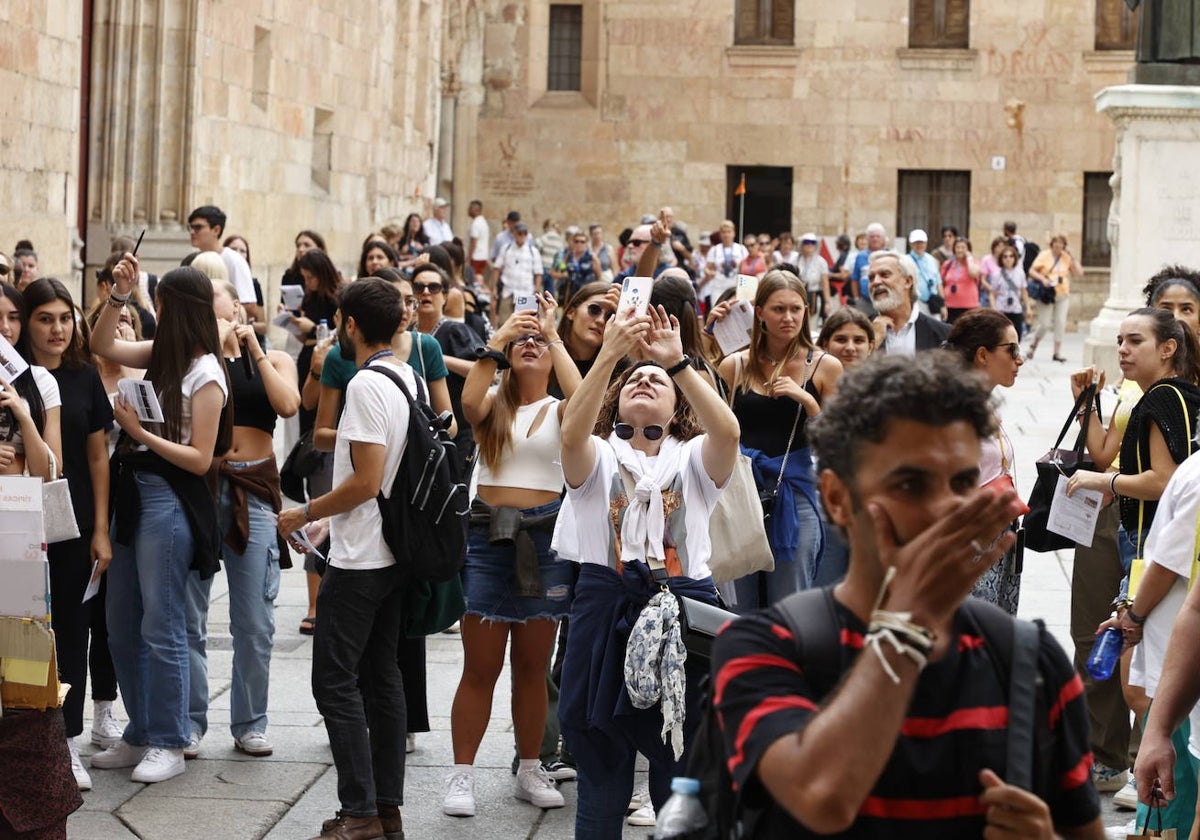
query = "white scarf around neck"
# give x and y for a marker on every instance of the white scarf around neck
(644, 523)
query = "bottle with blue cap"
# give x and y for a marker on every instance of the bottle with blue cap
(683, 816)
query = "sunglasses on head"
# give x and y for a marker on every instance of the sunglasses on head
(625, 431)
(595, 310)
(432, 288)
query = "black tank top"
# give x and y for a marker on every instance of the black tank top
(251, 406)
(767, 421)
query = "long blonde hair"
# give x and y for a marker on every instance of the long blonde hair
(493, 434)
(773, 281)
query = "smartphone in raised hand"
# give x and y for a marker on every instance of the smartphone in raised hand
(635, 296)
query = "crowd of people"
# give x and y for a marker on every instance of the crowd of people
(598, 443)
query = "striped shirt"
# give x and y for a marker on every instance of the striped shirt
(955, 727)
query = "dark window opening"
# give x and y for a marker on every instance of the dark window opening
(933, 199)
(1116, 25)
(764, 22)
(1097, 199)
(768, 199)
(939, 24)
(566, 48)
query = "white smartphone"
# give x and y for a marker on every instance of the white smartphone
(635, 296)
(522, 303)
(747, 287)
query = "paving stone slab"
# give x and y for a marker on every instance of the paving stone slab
(186, 818)
(97, 825)
(235, 781)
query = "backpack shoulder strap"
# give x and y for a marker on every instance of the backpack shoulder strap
(1013, 645)
(395, 377)
(812, 617)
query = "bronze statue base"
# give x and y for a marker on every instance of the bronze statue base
(1165, 73)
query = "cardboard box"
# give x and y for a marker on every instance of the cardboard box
(28, 665)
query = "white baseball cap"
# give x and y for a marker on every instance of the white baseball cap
(918, 235)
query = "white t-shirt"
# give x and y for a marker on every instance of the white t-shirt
(518, 266)
(376, 412)
(726, 261)
(1169, 544)
(239, 275)
(812, 271)
(597, 505)
(47, 385)
(203, 370)
(437, 231)
(479, 231)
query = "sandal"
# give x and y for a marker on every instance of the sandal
(308, 626)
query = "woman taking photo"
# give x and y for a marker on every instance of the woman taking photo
(641, 434)
(165, 521)
(54, 342)
(458, 343)
(848, 336)
(988, 344)
(29, 406)
(514, 586)
(962, 280)
(1054, 269)
(778, 384)
(263, 389)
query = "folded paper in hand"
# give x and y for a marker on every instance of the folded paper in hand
(11, 363)
(733, 331)
(140, 394)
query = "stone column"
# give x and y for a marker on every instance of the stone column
(1154, 219)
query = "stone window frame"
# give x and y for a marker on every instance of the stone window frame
(1095, 251)
(951, 28)
(564, 49)
(932, 216)
(764, 23)
(591, 58)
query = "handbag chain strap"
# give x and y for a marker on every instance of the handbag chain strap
(1187, 425)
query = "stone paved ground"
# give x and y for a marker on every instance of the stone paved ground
(225, 794)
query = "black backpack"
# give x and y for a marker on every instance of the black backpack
(1032, 249)
(812, 618)
(425, 517)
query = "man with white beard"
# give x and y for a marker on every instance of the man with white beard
(900, 328)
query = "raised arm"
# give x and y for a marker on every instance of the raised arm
(277, 370)
(134, 354)
(621, 334)
(477, 398)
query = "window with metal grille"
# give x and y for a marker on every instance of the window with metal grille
(566, 48)
(1097, 198)
(939, 24)
(931, 199)
(1116, 25)
(765, 22)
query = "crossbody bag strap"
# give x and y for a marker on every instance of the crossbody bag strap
(809, 367)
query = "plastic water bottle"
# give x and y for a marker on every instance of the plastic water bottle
(683, 814)
(1105, 652)
(322, 330)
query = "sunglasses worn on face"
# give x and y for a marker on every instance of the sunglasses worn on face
(1014, 349)
(432, 288)
(196, 227)
(633, 243)
(625, 431)
(535, 340)
(595, 310)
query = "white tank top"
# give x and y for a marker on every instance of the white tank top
(534, 462)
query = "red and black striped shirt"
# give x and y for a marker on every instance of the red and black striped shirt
(956, 726)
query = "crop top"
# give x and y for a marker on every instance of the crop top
(533, 461)
(767, 422)
(251, 405)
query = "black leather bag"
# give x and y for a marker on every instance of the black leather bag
(699, 621)
(301, 462)
(1056, 462)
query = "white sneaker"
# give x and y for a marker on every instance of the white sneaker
(81, 774)
(252, 743)
(124, 754)
(1126, 798)
(158, 765)
(536, 787)
(192, 748)
(641, 795)
(460, 795)
(643, 816)
(106, 732)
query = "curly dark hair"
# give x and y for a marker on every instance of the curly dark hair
(931, 389)
(684, 425)
(1172, 275)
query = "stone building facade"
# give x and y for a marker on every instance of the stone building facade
(846, 107)
(340, 116)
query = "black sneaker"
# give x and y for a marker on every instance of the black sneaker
(559, 770)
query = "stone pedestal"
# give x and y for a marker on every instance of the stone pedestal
(1154, 219)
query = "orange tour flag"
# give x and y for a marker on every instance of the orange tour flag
(741, 187)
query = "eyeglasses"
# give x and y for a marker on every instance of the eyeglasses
(531, 338)
(633, 243)
(625, 432)
(432, 288)
(579, 241)
(595, 310)
(196, 227)
(1014, 349)
(410, 303)
(3, 270)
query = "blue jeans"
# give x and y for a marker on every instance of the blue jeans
(355, 677)
(253, 584)
(1128, 551)
(801, 572)
(147, 618)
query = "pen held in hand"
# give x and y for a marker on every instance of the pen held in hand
(138, 244)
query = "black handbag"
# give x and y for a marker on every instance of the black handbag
(301, 462)
(699, 621)
(1056, 462)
